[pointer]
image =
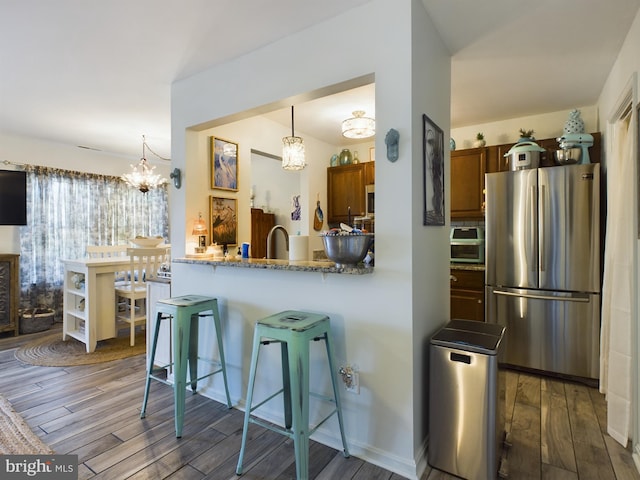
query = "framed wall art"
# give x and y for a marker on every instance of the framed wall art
(224, 164)
(433, 168)
(223, 220)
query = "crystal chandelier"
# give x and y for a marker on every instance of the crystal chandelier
(142, 176)
(358, 126)
(293, 150)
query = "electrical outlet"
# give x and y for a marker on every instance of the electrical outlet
(355, 383)
(350, 378)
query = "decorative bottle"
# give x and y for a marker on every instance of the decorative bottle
(345, 157)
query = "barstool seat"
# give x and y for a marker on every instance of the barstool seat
(293, 330)
(186, 312)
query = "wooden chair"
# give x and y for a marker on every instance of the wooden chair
(144, 263)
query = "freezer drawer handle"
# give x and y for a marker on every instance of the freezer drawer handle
(542, 297)
(458, 357)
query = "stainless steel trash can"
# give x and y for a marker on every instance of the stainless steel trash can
(466, 399)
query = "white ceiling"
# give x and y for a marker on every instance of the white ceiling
(98, 74)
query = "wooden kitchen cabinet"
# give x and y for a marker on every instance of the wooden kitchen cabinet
(346, 191)
(261, 224)
(467, 183)
(467, 294)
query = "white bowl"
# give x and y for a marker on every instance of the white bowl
(148, 242)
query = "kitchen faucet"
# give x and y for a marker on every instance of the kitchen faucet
(286, 238)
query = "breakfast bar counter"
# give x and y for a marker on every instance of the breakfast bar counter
(323, 266)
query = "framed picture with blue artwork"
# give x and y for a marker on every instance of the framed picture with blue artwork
(224, 164)
(433, 168)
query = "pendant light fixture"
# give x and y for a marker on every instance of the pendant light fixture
(293, 150)
(142, 176)
(358, 126)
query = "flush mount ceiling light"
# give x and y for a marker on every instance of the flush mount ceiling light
(293, 150)
(142, 176)
(358, 126)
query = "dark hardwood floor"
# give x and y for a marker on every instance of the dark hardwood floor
(558, 429)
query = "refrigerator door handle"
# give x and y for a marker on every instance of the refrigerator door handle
(541, 257)
(532, 219)
(582, 299)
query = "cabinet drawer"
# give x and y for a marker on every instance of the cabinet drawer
(467, 279)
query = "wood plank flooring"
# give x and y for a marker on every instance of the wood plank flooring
(557, 429)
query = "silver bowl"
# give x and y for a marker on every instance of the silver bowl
(347, 250)
(568, 156)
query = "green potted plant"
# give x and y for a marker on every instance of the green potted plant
(526, 136)
(480, 141)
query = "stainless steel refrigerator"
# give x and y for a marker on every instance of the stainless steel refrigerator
(543, 266)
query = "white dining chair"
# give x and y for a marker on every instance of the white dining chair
(144, 263)
(105, 251)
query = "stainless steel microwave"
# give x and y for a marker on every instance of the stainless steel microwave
(467, 244)
(370, 200)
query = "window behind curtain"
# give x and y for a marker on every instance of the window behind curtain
(66, 211)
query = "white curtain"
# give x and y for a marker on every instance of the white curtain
(66, 211)
(616, 331)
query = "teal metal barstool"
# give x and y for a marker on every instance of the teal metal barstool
(185, 312)
(293, 330)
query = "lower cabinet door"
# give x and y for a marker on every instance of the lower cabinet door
(467, 304)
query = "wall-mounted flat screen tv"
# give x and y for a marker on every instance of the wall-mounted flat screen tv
(13, 197)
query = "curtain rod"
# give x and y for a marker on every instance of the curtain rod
(7, 162)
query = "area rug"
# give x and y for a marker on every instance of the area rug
(52, 351)
(16, 437)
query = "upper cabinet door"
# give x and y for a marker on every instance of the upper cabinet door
(467, 183)
(346, 192)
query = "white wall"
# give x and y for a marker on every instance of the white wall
(626, 65)
(31, 151)
(380, 321)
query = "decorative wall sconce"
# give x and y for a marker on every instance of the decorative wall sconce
(391, 140)
(176, 175)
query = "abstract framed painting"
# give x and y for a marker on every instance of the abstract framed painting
(433, 173)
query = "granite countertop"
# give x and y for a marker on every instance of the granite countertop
(323, 266)
(478, 267)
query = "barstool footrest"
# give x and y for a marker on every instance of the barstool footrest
(273, 428)
(161, 380)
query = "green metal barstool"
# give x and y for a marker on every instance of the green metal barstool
(186, 312)
(293, 330)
